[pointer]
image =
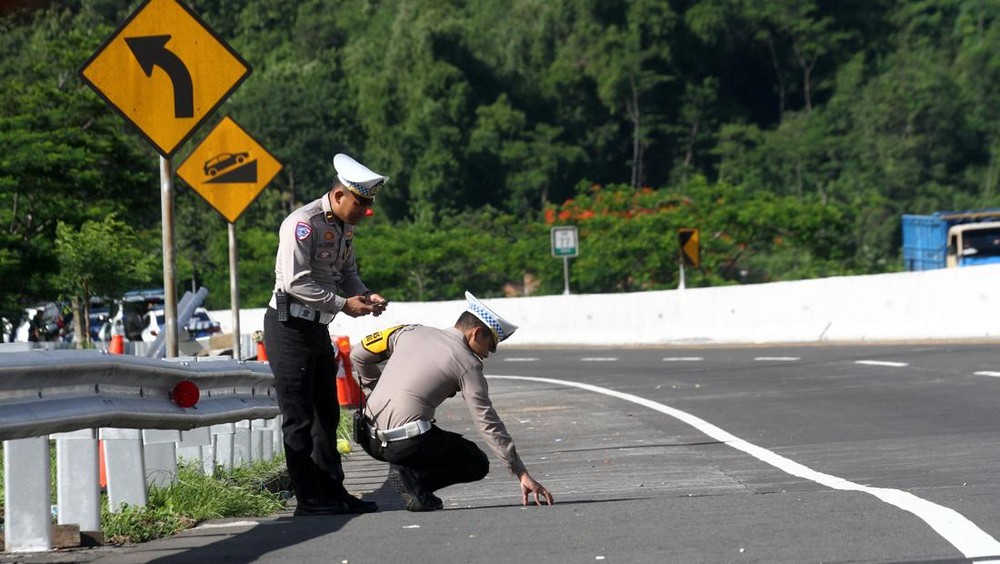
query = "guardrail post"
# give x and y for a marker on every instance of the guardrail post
(160, 455)
(208, 455)
(242, 453)
(257, 432)
(27, 511)
(123, 459)
(192, 447)
(279, 440)
(224, 444)
(78, 489)
(266, 431)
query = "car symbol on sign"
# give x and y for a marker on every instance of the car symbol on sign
(223, 161)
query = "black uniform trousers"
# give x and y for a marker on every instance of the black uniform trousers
(304, 364)
(437, 458)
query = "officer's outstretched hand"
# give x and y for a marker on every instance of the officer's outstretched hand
(358, 306)
(529, 485)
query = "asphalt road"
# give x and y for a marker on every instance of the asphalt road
(759, 454)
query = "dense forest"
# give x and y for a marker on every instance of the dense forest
(792, 133)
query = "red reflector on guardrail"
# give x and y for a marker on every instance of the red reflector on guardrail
(185, 394)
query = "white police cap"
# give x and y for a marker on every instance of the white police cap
(357, 177)
(501, 327)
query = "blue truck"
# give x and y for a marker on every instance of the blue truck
(951, 239)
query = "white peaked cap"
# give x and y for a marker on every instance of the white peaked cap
(357, 177)
(501, 327)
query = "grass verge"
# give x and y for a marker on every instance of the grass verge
(248, 491)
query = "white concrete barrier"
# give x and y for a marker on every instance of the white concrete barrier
(962, 303)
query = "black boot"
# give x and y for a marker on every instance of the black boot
(407, 483)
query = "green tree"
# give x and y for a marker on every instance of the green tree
(100, 259)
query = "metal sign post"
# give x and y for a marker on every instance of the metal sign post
(234, 294)
(565, 245)
(169, 288)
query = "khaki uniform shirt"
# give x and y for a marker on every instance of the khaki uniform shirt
(426, 366)
(316, 259)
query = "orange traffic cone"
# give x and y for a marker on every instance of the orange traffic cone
(117, 345)
(348, 390)
(258, 337)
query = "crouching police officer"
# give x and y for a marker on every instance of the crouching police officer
(426, 366)
(316, 277)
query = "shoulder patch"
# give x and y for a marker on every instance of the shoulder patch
(378, 342)
(302, 230)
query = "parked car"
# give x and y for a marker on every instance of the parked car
(199, 325)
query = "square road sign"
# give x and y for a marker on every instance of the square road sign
(565, 241)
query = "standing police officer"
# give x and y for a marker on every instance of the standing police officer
(316, 276)
(425, 366)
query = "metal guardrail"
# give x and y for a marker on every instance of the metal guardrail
(45, 392)
(74, 397)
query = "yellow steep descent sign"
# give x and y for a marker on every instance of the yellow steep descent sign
(165, 71)
(229, 169)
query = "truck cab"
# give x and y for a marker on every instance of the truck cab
(951, 239)
(973, 243)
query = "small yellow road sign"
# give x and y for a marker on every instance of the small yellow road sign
(164, 70)
(229, 169)
(690, 242)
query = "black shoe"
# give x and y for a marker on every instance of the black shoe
(403, 480)
(356, 505)
(315, 506)
(433, 501)
(337, 492)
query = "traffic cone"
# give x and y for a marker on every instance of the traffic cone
(117, 345)
(348, 390)
(258, 337)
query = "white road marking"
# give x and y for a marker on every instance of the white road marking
(988, 373)
(881, 363)
(683, 358)
(521, 359)
(599, 359)
(962, 533)
(227, 525)
(778, 358)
